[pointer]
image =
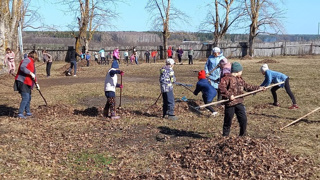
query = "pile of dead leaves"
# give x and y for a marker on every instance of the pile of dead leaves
(268, 61)
(58, 110)
(231, 158)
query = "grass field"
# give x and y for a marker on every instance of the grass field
(69, 138)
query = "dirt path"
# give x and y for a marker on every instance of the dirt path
(47, 82)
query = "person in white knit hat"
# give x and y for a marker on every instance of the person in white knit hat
(273, 77)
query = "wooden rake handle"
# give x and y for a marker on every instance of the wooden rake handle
(242, 95)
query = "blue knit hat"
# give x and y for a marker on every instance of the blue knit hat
(115, 64)
(236, 67)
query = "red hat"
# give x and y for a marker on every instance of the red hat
(201, 74)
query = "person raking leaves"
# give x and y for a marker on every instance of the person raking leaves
(25, 80)
(167, 78)
(232, 85)
(110, 90)
(208, 91)
(276, 77)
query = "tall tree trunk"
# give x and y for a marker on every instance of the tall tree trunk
(165, 44)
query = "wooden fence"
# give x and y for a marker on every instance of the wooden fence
(203, 50)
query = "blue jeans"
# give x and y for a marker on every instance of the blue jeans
(136, 59)
(168, 103)
(73, 65)
(25, 103)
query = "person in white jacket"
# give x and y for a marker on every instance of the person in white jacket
(110, 85)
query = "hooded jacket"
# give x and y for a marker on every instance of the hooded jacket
(211, 63)
(273, 77)
(166, 79)
(234, 85)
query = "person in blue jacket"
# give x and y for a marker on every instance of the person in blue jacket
(208, 91)
(211, 64)
(276, 77)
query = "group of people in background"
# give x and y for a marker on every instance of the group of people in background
(179, 53)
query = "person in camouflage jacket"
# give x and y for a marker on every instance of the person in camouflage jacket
(232, 85)
(167, 79)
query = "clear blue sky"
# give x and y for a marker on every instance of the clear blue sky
(300, 18)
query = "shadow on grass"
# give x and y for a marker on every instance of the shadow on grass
(7, 111)
(309, 122)
(144, 113)
(176, 132)
(92, 112)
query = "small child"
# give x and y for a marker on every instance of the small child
(276, 77)
(110, 90)
(132, 58)
(9, 59)
(232, 85)
(225, 67)
(208, 91)
(167, 79)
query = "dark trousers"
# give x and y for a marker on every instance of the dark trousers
(240, 111)
(73, 64)
(168, 103)
(48, 68)
(88, 62)
(103, 61)
(154, 59)
(126, 59)
(147, 59)
(190, 59)
(210, 108)
(288, 90)
(179, 58)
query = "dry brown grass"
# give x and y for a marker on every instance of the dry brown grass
(88, 146)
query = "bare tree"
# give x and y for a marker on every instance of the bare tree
(10, 15)
(164, 16)
(91, 15)
(265, 18)
(225, 14)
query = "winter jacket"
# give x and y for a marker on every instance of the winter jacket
(180, 52)
(169, 52)
(226, 69)
(232, 85)
(153, 53)
(273, 77)
(208, 91)
(211, 63)
(110, 83)
(190, 52)
(116, 54)
(102, 53)
(166, 79)
(23, 75)
(73, 55)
